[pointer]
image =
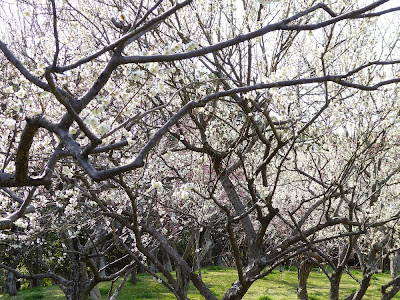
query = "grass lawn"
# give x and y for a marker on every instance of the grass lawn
(277, 286)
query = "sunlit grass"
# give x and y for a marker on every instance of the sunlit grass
(277, 286)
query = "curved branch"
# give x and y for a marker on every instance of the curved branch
(133, 35)
(28, 75)
(282, 25)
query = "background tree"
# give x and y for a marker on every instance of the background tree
(270, 125)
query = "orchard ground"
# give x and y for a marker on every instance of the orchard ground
(278, 286)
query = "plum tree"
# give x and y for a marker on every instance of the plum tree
(270, 125)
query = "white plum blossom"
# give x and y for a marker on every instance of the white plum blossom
(98, 111)
(10, 123)
(168, 50)
(10, 168)
(15, 106)
(154, 68)
(103, 128)
(136, 75)
(21, 223)
(263, 191)
(156, 185)
(124, 95)
(9, 89)
(21, 93)
(184, 191)
(106, 101)
(92, 121)
(161, 86)
(72, 130)
(184, 195)
(192, 45)
(67, 171)
(188, 186)
(152, 92)
(176, 47)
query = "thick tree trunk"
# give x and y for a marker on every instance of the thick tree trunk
(77, 290)
(360, 293)
(334, 288)
(11, 284)
(393, 261)
(102, 264)
(166, 261)
(36, 265)
(73, 293)
(78, 277)
(303, 272)
(237, 290)
(133, 274)
(394, 286)
(217, 252)
(3, 275)
(390, 294)
(35, 282)
(95, 293)
(183, 282)
(35, 269)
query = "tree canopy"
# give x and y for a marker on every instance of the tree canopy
(163, 134)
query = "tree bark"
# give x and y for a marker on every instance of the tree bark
(182, 278)
(95, 293)
(102, 264)
(133, 274)
(395, 287)
(360, 293)
(334, 288)
(11, 284)
(183, 282)
(303, 272)
(390, 294)
(73, 292)
(238, 290)
(393, 260)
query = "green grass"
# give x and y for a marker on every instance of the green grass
(41, 292)
(277, 286)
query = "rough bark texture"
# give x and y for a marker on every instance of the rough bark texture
(95, 293)
(182, 278)
(303, 272)
(11, 284)
(133, 274)
(102, 264)
(393, 259)
(183, 282)
(237, 290)
(334, 289)
(360, 293)
(390, 294)
(394, 286)
(72, 293)
(76, 289)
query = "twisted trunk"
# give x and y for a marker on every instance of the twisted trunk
(303, 272)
